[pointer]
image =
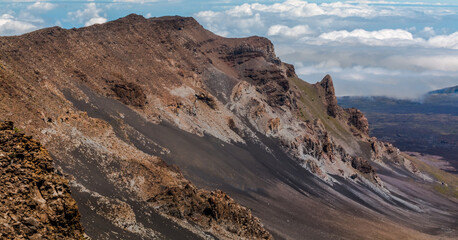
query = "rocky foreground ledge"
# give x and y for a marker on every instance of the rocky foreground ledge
(35, 201)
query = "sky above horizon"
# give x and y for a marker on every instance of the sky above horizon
(396, 48)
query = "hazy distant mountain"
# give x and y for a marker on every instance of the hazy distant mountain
(443, 97)
(449, 90)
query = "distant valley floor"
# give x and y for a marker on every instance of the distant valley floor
(429, 129)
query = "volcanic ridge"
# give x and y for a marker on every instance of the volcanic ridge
(168, 131)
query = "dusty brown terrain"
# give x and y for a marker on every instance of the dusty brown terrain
(112, 102)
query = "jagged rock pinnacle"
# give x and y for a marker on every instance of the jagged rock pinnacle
(330, 95)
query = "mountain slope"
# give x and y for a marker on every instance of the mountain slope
(110, 101)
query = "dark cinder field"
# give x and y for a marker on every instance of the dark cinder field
(270, 183)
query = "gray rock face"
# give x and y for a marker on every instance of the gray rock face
(358, 120)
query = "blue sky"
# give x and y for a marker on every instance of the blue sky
(399, 48)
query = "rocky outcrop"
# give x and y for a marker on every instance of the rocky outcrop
(362, 165)
(35, 200)
(256, 63)
(254, 47)
(330, 96)
(207, 99)
(210, 210)
(268, 96)
(385, 151)
(130, 94)
(274, 125)
(358, 120)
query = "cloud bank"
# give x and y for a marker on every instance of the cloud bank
(90, 15)
(10, 25)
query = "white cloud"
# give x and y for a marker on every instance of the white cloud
(384, 37)
(216, 22)
(426, 32)
(289, 19)
(334, 67)
(299, 8)
(135, 1)
(90, 11)
(429, 30)
(207, 16)
(41, 6)
(384, 34)
(347, 10)
(283, 30)
(294, 8)
(445, 41)
(9, 25)
(90, 15)
(439, 62)
(395, 3)
(248, 23)
(215, 27)
(96, 20)
(241, 11)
